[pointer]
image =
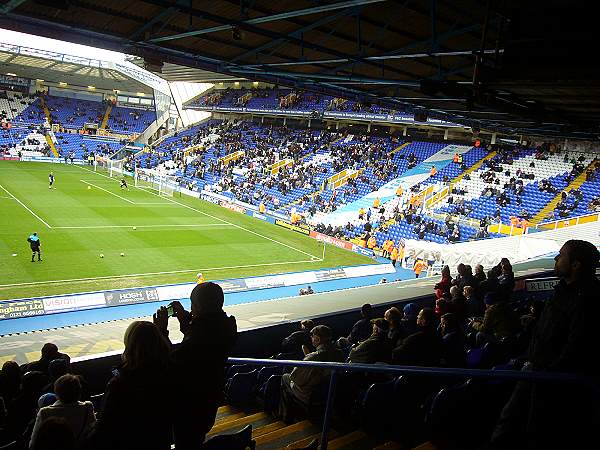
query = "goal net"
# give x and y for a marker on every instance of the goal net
(152, 179)
(113, 167)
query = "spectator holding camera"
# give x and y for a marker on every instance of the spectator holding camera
(199, 361)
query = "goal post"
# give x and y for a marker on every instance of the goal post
(113, 167)
(152, 179)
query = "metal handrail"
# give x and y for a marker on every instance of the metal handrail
(515, 375)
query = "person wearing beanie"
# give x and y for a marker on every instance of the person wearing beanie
(209, 335)
(409, 321)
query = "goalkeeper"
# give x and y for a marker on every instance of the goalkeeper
(124, 184)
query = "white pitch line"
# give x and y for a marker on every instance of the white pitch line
(8, 198)
(143, 226)
(133, 275)
(25, 206)
(107, 191)
(215, 217)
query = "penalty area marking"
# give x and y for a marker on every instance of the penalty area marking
(214, 217)
(25, 206)
(148, 274)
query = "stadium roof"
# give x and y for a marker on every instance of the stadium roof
(57, 67)
(520, 67)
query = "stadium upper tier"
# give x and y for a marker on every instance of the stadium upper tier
(351, 185)
(282, 99)
(72, 113)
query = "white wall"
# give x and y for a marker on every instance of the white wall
(183, 91)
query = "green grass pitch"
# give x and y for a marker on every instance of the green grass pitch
(174, 237)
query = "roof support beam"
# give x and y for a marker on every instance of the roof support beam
(427, 42)
(270, 18)
(317, 76)
(374, 58)
(12, 4)
(294, 34)
(164, 14)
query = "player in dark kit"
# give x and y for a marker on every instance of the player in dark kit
(34, 243)
(50, 180)
(123, 184)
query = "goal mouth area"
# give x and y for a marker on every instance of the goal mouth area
(154, 180)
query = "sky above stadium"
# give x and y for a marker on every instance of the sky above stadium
(43, 43)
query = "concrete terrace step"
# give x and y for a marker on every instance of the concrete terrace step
(390, 446)
(230, 424)
(282, 437)
(356, 440)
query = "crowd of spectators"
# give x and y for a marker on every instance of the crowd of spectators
(162, 393)
(472, 311)
(157, 395)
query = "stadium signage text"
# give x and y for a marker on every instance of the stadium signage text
(131, 296)
(22, 308)
(13, 309)
(331, 240)
(233, 207)
(292, 227)
(541, 285)
(71, 303)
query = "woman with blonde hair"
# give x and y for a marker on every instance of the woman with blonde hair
(137, 411)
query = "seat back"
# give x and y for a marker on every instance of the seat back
(376, 410)
(272, 393)
(241, 388)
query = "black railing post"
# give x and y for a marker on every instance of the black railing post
(328, 409)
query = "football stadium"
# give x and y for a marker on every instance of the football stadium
(343, 224)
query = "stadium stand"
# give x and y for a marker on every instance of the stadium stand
(301, 184)
(129, 120)
(456, 400)
(17, 107)
(282, 99)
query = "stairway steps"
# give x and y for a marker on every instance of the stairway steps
(578, 181)
(426, 446)
(307, 440)
(230, 417)
(283, 436)
(265, 429)
(355, 440)
(391, 445)
(257, 419)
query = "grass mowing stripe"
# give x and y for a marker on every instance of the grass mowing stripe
(25, 206)
(73, 253)
(107, 191)
(206, 269)
(98, 227)
(218, 218)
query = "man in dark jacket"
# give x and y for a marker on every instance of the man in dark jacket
(295, 342)
(49, 353)
(377, 348)
(362, 329)
(423, 348)
(550, 415)
(199, 361)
